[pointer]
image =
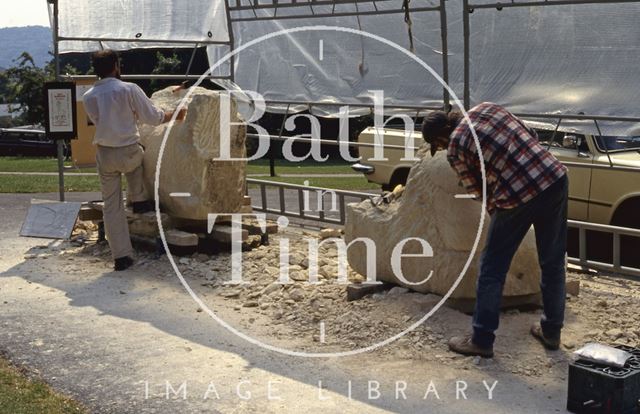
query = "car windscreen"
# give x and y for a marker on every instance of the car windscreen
(618, 143)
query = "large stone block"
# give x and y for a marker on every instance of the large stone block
(188, 162)
(428, 209)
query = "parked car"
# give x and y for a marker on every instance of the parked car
(394, 170)
(28, 142)
(605, 196)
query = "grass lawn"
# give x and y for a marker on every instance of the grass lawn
(21, 164)
(48, 184)
(21, 395)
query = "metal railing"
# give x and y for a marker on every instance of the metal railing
(304, 196)
(616, 232)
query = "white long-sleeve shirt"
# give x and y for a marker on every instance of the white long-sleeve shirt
(115, 107)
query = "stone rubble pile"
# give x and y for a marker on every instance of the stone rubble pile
(607, 309)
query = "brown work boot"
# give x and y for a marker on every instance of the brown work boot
(465, 346)
(552, 344)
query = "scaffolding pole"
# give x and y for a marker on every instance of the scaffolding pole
(56, 60)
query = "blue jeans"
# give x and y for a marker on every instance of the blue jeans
(547, 212)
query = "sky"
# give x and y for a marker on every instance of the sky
(23, 13)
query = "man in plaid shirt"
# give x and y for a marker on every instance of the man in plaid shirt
(526, 185)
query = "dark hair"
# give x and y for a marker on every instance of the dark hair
(434, 125)
(438, 124)
(104, 61)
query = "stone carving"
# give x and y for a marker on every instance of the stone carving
(428, 209)
(188, 164)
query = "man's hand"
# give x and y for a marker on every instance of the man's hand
(180, 117)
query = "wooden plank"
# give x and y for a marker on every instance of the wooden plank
(181, 238)
(224, 234)
(88, 213)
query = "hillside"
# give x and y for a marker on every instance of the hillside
(34, 39)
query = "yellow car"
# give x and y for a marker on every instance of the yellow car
(600, 195)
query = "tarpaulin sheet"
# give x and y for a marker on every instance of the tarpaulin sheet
(190, 20)
(337, 66)
(556, 59)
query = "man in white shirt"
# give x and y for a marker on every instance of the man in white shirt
(115, 107)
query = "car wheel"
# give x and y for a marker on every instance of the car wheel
(627, 216)
(398, 177)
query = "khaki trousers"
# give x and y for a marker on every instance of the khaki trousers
(112, 163)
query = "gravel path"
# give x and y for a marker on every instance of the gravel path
(119, 341)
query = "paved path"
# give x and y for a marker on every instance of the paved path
(103, 336)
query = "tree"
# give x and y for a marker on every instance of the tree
(25, 85)
(25, 82)
(165, 65)
(4, 87)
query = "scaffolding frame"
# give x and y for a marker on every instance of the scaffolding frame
(235, 8)
(57, 38)
(269, 11)
(236, 11)
(275, 5)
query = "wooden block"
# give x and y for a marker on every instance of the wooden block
(246, 209)
(193, 226)
(99, 205)
(573, 287)
(88, 213)
(224, 234)
(181, 238)
(360, 290)
(253, 227)
(581, 269)
(272, 227)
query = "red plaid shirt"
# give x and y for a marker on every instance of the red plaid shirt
(517, 167)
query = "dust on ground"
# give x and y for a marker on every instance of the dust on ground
(318, 318)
